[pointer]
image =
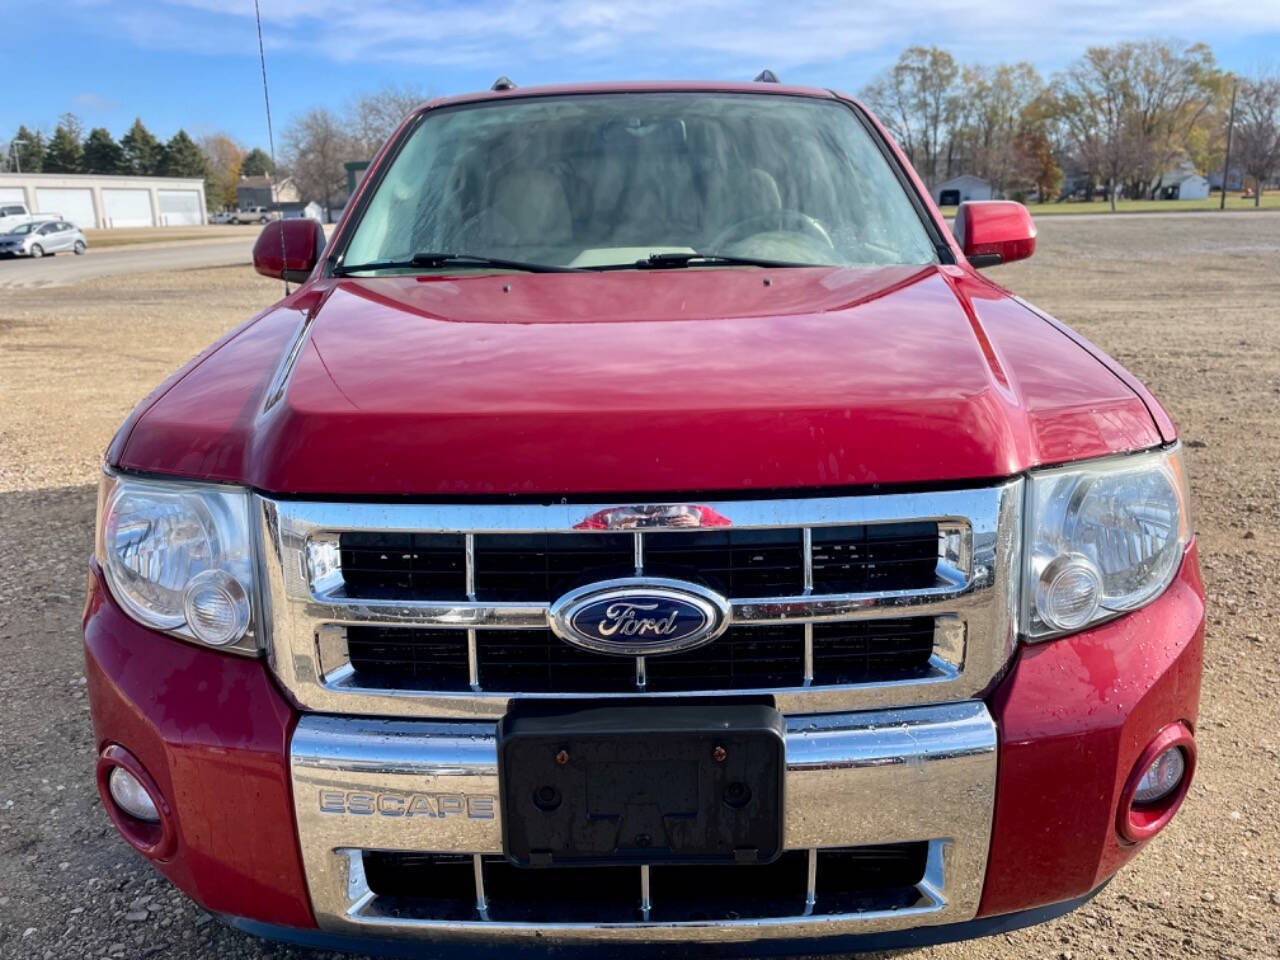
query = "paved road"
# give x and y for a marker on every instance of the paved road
(67, 268)
(1105, 214)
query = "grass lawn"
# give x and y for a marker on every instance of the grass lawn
(126, 236)
(1270, 201)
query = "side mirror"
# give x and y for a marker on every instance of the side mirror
(995, 231)
(289, 249)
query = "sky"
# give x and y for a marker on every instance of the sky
(194, 63)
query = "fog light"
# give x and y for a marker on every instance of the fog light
(135, 803)
(217, 607)
(132, 796)
(1157, 784)
(1068, 593)
(1162, 777)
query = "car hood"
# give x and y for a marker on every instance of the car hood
(717, 379)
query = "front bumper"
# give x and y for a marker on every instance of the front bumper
(1015, 795)
(357, 783)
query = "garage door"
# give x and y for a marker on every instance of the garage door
(126, 208)
(12, 195)
(74, 205)
(179, 208)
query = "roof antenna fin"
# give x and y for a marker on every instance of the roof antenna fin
(503, 83)
(766, 76)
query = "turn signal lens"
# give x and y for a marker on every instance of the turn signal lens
(217, 607)
(1162, 777)
(131, 796)
(1067, 594)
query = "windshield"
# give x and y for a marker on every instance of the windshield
(24, 228)
(606, 181)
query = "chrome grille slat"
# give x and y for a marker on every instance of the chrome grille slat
(749, 611)
(972, 593)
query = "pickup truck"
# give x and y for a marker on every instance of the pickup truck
(16, 214)
(644, 528)
(249, 215)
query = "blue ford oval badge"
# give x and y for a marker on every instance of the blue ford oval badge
(640, 617)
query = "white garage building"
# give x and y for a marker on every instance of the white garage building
(959, 189)
(1186, 187)
(95, 200)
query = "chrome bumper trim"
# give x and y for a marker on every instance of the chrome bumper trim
(926, 773)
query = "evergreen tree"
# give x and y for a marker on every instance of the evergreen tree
(102, 154)
(256, 163)
(182, 158)
(64, 154)
(27, 149)
(143, 153)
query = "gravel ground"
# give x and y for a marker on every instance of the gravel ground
(1191, 306)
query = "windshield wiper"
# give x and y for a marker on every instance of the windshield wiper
(658, 261)
(434, 259)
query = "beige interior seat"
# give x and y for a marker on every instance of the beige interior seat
(529, 209)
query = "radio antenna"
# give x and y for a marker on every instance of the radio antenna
(271, 138)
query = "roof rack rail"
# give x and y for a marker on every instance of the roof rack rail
(766, 76)
(503, 83)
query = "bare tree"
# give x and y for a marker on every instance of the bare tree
(224, 157)
(371, 118)
(1173, 92)
(316, 145)
(1258, 130)
(1130, 109)
(1094, 96)
(993, 106)
(917, 99)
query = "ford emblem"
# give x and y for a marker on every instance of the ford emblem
(640, 617)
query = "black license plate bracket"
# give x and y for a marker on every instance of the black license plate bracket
(661, 784)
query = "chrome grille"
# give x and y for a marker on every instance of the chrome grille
(346, 578)
(737, 563)
(744, 658)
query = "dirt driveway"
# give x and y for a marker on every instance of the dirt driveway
(1191, 305)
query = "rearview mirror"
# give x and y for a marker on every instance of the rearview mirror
(995, 231)
(289, 249)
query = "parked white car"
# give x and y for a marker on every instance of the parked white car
(40, 238)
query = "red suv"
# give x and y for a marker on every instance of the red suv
(644, 527)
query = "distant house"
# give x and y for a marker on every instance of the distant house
(309, 211)
(355, 173)
(262, 192)
(967, 186)
(1188, 187)
(1235, 179)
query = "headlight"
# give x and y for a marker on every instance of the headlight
(1102, 538)
(179, 557)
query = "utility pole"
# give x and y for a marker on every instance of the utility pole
(16, 153)
(1226, 161)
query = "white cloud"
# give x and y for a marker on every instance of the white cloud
(94, 103)
(674, 38)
